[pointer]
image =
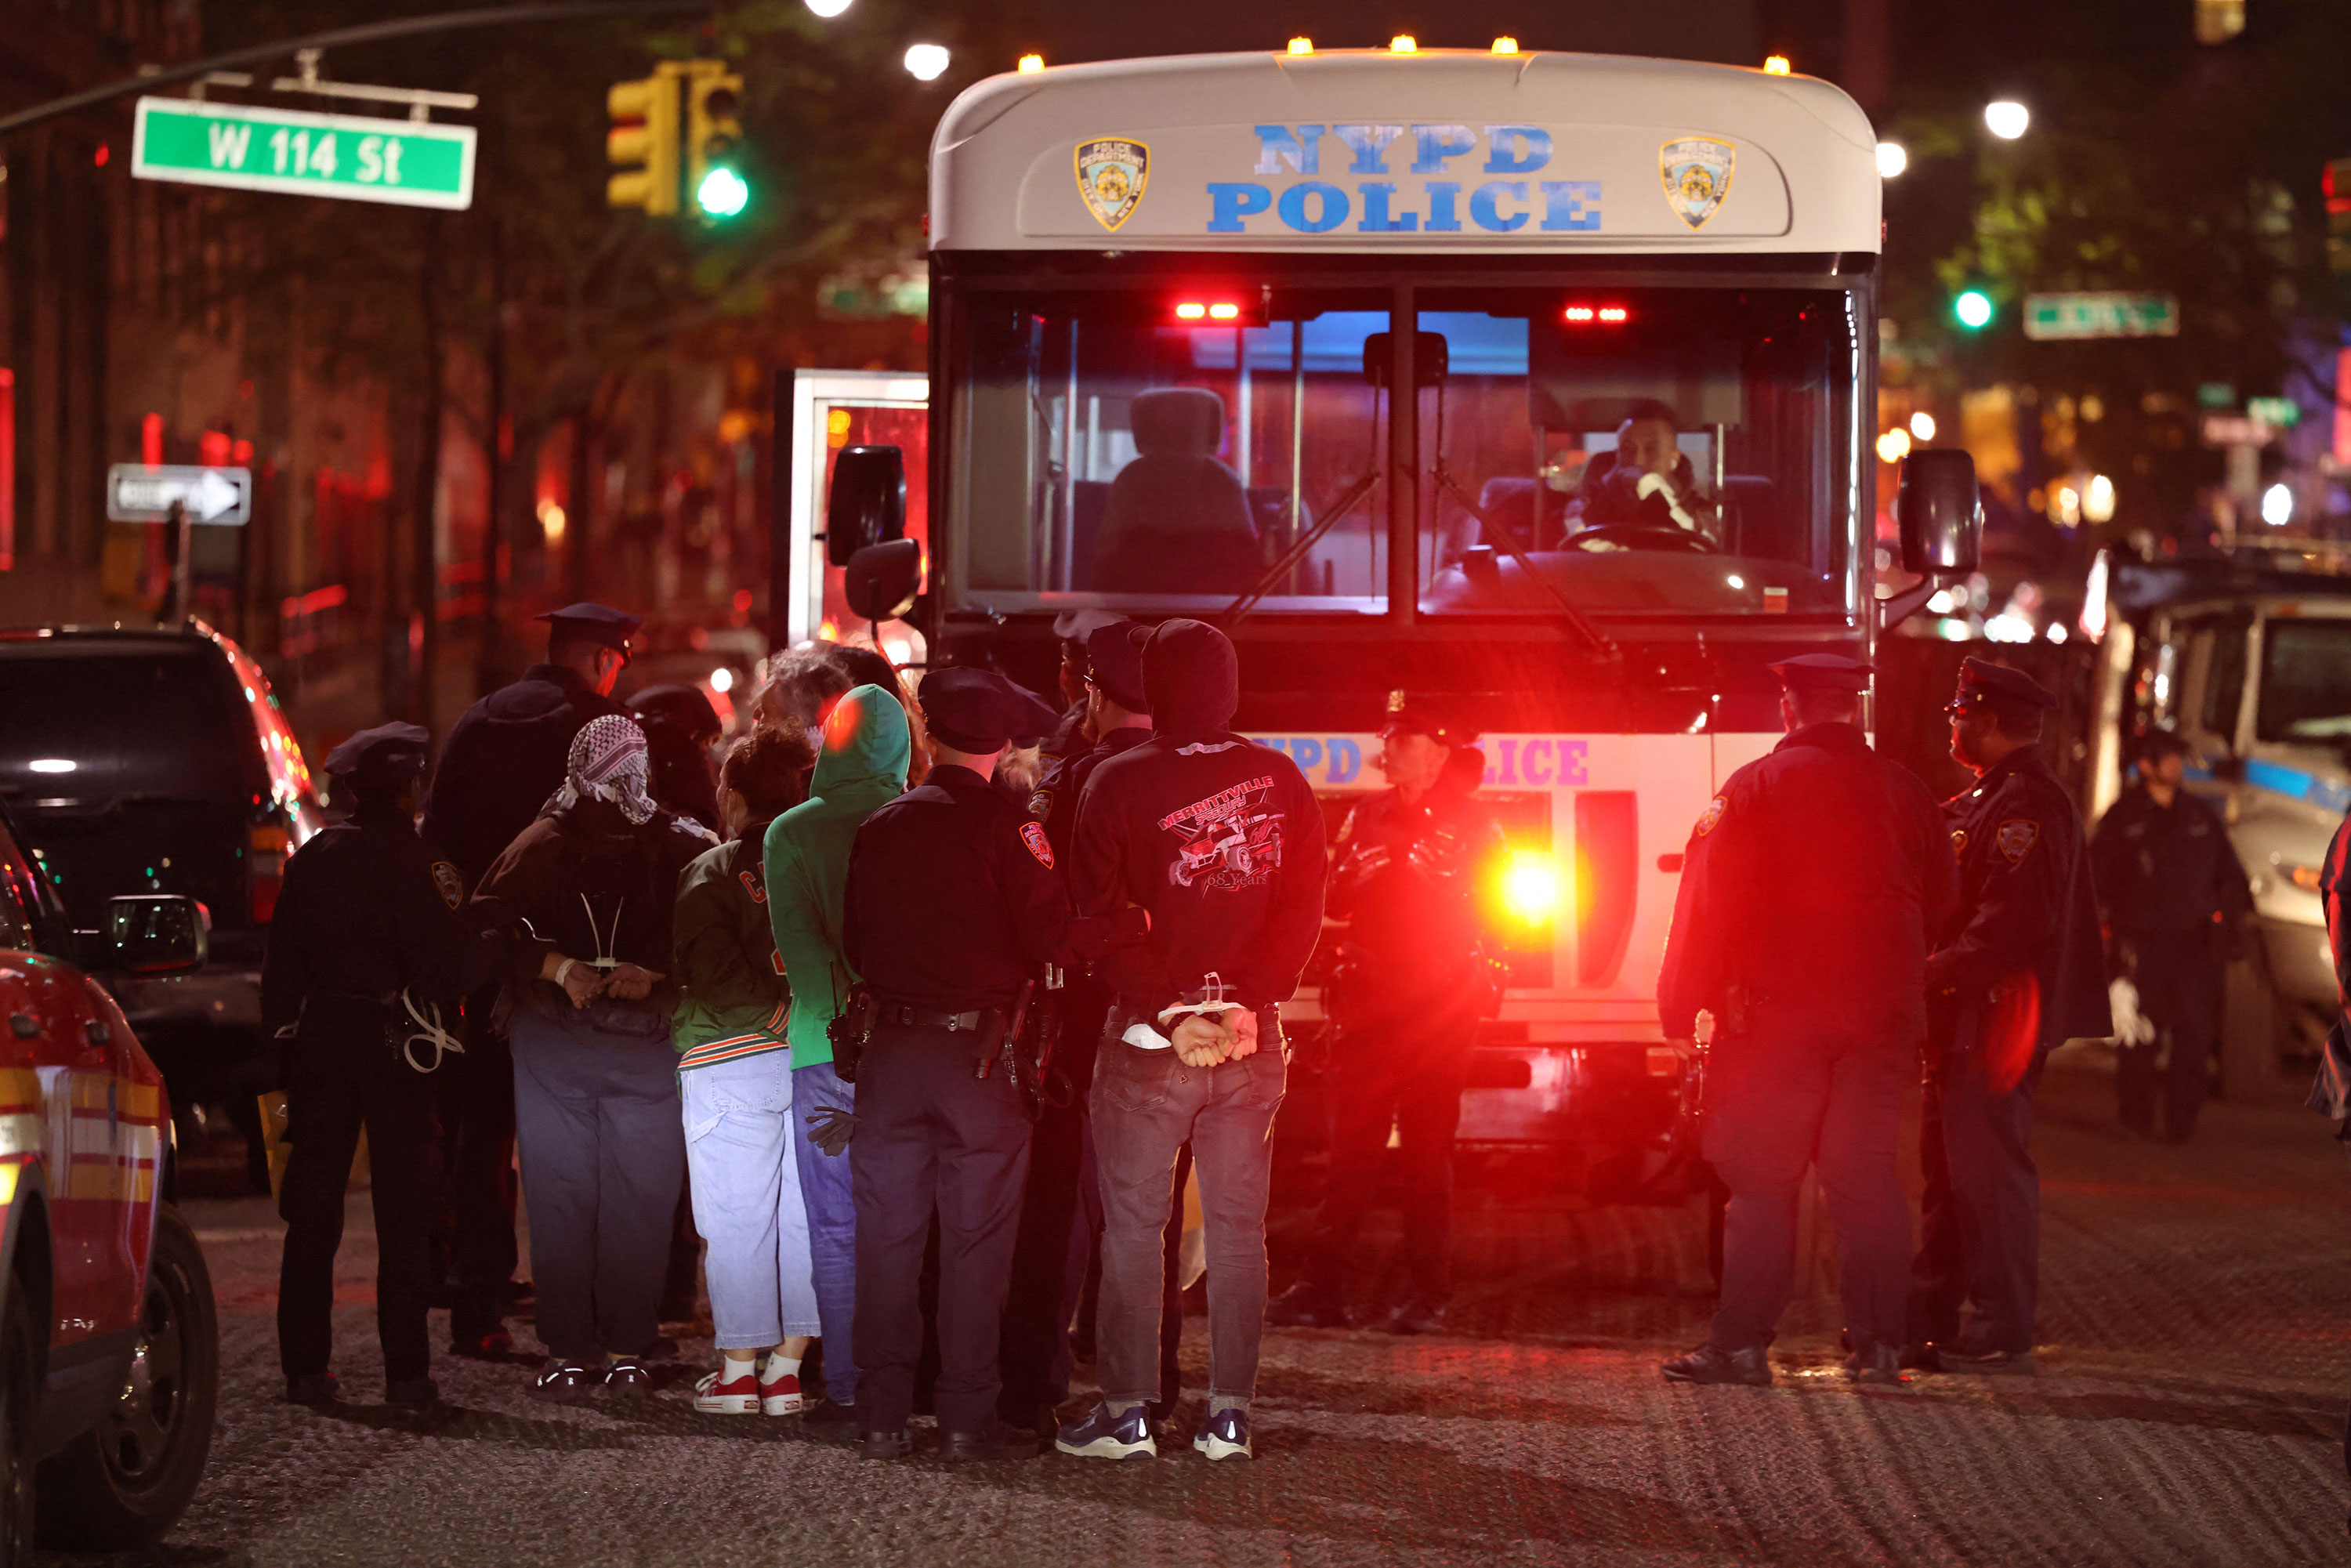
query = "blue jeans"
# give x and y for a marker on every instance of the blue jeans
(739, 1138)
(831, 1224)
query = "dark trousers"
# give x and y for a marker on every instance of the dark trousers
(1408, 1076)
(2178, 981)
(1048, 1265)
(1775, 1108)
(476, 1103)
(1981, 1212)
(603, 1154)
(931, 1136)
(346, 1078)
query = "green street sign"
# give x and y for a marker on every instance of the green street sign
(2282, 413)
(2101, 314)
(408, 163)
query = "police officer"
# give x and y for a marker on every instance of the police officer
(501, 761)
(953, 907)
(368, 943)
(1405, 1000)
(2173, 892)
(2020, 969)
(1812, 888)
(1060, 1214)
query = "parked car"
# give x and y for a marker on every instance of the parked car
(156, 761)
(110, 1351)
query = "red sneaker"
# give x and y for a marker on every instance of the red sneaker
(782, 1397)
(740, 1397)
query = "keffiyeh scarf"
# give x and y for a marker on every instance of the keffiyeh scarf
(608, 762)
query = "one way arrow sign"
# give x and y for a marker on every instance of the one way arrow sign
(143, 493)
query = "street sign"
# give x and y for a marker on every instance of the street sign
(408, 163)
(2282, 412)
(2101, 315)
(2237, 429)
(143, 493)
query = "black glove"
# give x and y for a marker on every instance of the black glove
(832, 1128)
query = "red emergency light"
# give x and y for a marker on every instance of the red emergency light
(1597, 315)
(1223, 310)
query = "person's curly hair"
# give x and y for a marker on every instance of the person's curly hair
(769, 768)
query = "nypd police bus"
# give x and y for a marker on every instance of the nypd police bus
(1537, 384)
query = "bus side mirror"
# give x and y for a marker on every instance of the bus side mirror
(881, 580)
(1939, 513)
(155, 933)
(866, 503)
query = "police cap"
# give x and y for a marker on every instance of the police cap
(1114, 663)
(683, 708)
(593, 624)
(978, 711)
(384, 757)
(1409, 715)
(2000, 689)
(1823, 673)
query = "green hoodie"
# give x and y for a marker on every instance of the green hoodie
(862, 768)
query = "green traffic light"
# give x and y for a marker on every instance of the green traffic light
(1973, 309)
(722, 193)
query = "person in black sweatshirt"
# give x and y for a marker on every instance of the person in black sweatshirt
(1221, 842)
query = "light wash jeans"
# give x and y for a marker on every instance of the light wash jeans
(831, 1222)
(739, 1139)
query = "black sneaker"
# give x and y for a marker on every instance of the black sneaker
(317, 1389)
(997, 1442)
(886, 1444)
(1224, 1435)
(1880, 1364)
(1101, 1435)
(495, 1345)
(627, 1378)
(830, 1423)
(1707, 1363)
(413, 1393)
(566, 1382)
(1307, 1305)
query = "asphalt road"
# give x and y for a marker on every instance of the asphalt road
(2189, 1410)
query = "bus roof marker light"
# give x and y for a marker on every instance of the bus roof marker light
(1301, 45)
(1404, 44)
(1506, 45)
(1030, 63)
(1776, 65)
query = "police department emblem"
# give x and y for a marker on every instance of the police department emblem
(1033, 835)
(1710, 816)
(1112, 171)
(1697, 173)
(449, 883)
(2016, 836)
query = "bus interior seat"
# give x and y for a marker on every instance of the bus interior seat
(1177, 519)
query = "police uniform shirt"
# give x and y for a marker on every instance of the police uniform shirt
(2027, 903)
(369, 909)
(952, 900)
(1416, 913)
(1812, 886)
(503, 759)
(2166, 871)
(1055, 801)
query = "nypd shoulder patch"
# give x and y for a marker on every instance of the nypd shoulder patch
(2016, 836)
(1033, 835)
(449, 883)
(1710, 816)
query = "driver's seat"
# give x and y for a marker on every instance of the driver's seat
(1177, 520)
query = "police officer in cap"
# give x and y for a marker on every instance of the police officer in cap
(1410, 985)
(2174, 894)
(501, 761)
(368, 957)
(2019, 969)
(1061, 1215)
(1812, 889)
(953, 908)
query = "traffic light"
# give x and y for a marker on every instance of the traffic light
(714, 140)
(1974, 309)
(645, 133)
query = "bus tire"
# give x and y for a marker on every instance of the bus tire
(124, 1483)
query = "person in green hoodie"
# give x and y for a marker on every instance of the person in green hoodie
(862, 767)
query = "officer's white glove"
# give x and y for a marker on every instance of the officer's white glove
(2132, 1027)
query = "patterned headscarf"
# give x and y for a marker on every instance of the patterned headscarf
(608, 762)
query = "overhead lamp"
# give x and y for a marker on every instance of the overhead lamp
(1031, 63)
(1922, 426)
(1404, 44)
(2007, 118)
(828, 9)
(1301, 45)
(1776, 65)
(2277, 506)
(1892, 159)
(926, 62)
(1894, 446)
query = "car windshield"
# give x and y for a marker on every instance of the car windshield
(1632, 451)
(2305, 680)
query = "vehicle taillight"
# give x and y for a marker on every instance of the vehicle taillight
(266, 856)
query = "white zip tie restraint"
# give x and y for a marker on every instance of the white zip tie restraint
(606, 950)
(428, 1031)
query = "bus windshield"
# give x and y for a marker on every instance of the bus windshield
(1677, 451)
